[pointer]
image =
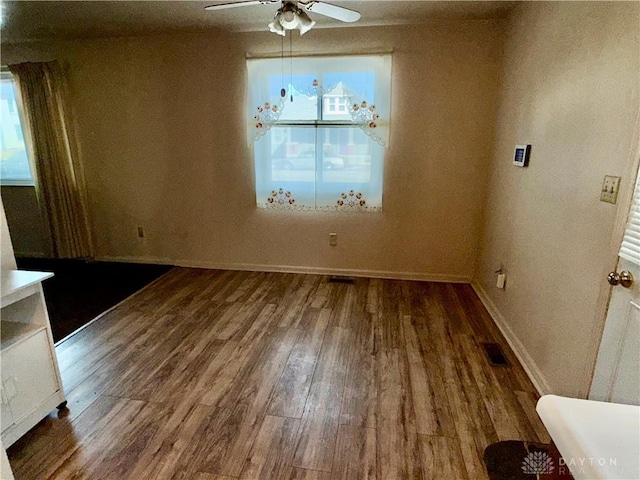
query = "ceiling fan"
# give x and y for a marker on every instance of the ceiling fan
(293, 14)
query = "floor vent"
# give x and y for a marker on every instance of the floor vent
(340, 279)
(494, 354)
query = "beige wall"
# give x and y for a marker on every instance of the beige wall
(28, 231)
(569, 88)
(7, 259)
(161, 132)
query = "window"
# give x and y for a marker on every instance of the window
(630, 249)
(321, 147)
(14, 162)
(334, 104)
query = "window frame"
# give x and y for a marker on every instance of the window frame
(7, 76)
(372, 82)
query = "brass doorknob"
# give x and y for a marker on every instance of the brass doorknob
(623, 278)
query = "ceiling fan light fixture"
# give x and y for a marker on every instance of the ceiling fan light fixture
(293, 13)
(288, 16)
(276, 26)
(304, 22)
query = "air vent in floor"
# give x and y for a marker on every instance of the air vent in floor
(340, 279)
(494, 354)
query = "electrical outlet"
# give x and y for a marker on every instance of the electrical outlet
(140, 232)
(333, 239)
(610, 187)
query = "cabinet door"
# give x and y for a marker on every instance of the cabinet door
(29, 367)
(5, 391)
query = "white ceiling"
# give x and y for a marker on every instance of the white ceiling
(32, 20)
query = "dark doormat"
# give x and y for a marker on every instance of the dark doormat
(516, 460)
(79, 291)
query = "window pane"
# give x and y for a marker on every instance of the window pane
(14, 164)
(285, 162)
(346, 155)
(293, 154)
(359, 175)
(303, 106)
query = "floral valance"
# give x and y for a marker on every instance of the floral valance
(310, 83)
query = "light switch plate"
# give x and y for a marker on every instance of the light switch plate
(610, 187)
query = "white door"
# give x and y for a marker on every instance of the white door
(617, 373)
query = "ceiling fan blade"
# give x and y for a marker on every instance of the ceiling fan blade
(242, 3)
(334, 11)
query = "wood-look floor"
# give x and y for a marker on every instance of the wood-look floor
(216, 375)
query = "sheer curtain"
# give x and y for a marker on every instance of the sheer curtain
(59, 181)
(321, 145)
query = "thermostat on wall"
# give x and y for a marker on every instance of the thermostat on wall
(521, 155)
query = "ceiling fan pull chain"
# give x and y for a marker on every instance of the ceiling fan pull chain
(283, 91)
(291, 65)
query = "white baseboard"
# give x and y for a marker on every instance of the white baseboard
(147, 260)
(429, 277)
(530, 367)
(251, 267)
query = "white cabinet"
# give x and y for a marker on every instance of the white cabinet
(31, 385)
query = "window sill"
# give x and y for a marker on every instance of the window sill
(17, 183)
